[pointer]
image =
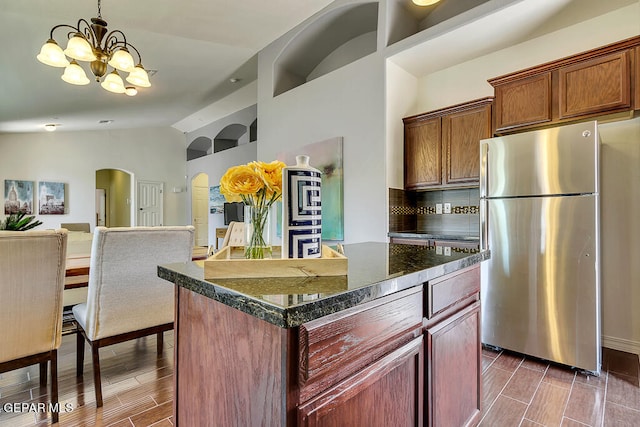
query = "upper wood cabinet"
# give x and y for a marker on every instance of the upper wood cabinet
(598, 82)
(441, 147)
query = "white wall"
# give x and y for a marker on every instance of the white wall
(156, 154)
(348, 102)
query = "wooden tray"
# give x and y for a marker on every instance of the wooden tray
(230, 263)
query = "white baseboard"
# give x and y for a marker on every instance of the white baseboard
(621, 344)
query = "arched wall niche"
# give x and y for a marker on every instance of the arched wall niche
(199, 147)
(228, 137)
(339, 37)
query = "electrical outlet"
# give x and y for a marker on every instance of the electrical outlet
(438, 208)
(447, 208)
(438, 250)
(447, 251)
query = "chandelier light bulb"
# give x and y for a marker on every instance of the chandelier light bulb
(79, 48)
(139, 77)
(75, 75)
(52, 54)
(113, 83)
(130, 91)
(122, 60)
(425, 2)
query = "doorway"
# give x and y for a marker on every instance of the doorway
(118, 202)
(200, 208)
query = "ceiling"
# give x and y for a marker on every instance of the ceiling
(196, 46)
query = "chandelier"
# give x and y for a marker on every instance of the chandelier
(102, 49)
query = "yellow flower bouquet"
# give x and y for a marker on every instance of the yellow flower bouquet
(258, 185)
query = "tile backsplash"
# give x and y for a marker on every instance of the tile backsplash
(415, 211)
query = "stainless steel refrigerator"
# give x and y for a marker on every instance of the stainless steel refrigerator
(539, 216)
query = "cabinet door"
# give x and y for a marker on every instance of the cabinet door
(386, 393)
(598, 85)
(461, 135)
(637, 78)
(453, 359)
(523, 102)
(422, 153)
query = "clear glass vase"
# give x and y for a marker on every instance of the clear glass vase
(257, 229)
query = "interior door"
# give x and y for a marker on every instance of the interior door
(200, 208)
(101, 207)
(150, 203)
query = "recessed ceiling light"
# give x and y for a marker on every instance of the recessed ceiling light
(50, 127)
(131, 91)
(105, 122)
(234, 79)
(425, 2)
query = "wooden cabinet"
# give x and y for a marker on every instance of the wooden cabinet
(441, 147)
(392, 385)
(411, 358)
(422, 152)
(599, 82)
(453, 350)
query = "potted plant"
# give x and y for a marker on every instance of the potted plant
(19, 222)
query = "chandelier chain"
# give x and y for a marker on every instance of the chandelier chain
(99, 10)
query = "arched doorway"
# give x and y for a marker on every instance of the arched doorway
(114, 203)
(200, 208)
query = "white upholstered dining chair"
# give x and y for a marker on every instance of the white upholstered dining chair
(234, 235)
(32, 271)
(126, 299)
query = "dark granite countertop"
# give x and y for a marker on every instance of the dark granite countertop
(417, 235)
(375, 270)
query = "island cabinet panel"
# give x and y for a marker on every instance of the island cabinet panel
(599, 82)
(422, 153)
(338, 345)
(226, 378)
(636, 68)
(441, 146)
(523, 102)
(452, 349)
(388, 392)
(596, 85)
(451, 289)
(453, 355)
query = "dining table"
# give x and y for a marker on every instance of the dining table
(78, 262)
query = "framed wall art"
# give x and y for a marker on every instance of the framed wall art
(18, 196)
(51, 198)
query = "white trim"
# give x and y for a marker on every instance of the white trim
(621, 344)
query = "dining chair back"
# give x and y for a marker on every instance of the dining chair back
(32, 271)
(76, 226)
(126, 299)
(234, 235)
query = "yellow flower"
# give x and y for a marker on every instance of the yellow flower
(272, 176)
(240, 181)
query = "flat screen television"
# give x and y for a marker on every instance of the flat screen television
(233, 212)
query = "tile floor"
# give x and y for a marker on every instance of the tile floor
(525, 392)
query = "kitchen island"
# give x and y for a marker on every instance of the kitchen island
(396, 341)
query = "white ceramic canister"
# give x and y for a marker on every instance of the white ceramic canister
(301, 210)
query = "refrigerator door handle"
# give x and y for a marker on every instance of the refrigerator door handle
(484, 169)
(484, 224)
